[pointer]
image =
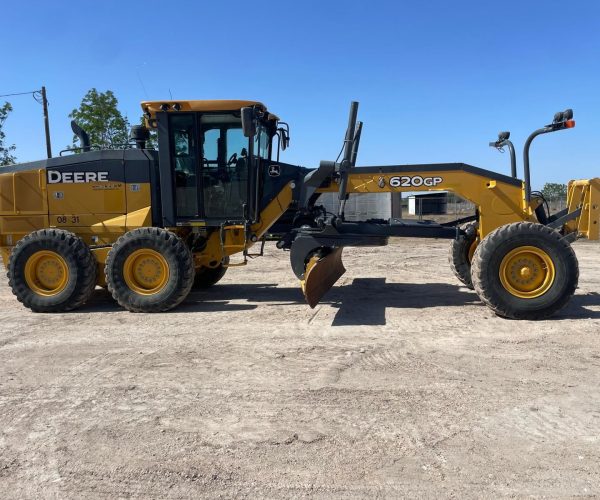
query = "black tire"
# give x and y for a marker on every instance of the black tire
(177, 281)
(458, 256)
(487, 267)
(208, 276)
(77, 259)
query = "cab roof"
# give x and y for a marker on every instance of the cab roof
(153, 107)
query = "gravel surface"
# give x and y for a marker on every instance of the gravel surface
(400, 383)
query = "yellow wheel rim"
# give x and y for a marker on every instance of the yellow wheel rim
(527, 272)
(146, 271)
(46, 273)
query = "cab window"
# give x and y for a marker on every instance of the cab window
(182, 129)
(224, 166)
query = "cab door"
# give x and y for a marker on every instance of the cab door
(224, 168)
(180, 180)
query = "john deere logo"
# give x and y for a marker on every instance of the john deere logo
(274, 170)
(54, 177)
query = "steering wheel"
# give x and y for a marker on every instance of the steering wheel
(232, 159)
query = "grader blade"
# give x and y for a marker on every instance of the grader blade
(321, 274)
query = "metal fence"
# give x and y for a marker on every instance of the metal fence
(455, 207)
(360, 206)
(442, 207)
(556, 205)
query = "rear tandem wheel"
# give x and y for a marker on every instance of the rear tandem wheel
(52, 270)
(208, 276)
(149, 270)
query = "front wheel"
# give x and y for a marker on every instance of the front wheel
(524, 271)
(461, 253)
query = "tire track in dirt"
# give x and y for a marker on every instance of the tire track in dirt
(543, 421)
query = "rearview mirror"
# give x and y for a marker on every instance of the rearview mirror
(503, 136)
(284, 135)
(248, 124)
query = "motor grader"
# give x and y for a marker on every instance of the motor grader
(152, 224)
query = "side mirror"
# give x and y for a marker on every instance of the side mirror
(563, 116)
(284, 135)
(248, 123)
(285, 140)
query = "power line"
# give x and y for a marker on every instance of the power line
(40, 97)
(21, 93)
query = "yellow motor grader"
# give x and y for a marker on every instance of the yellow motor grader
(151, 224)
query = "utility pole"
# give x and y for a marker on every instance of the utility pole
(36, 95)
(46, 122)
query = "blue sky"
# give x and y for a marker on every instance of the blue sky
(436, 80)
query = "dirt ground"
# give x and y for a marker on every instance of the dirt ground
(401, 383)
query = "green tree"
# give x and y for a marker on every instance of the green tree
(6, 156)
(100, 117)
(554, 191)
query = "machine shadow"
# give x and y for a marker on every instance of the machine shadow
(363, 302)
(102, 302)
(577, 307)
(366, 300)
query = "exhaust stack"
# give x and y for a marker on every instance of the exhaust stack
(84, 138)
